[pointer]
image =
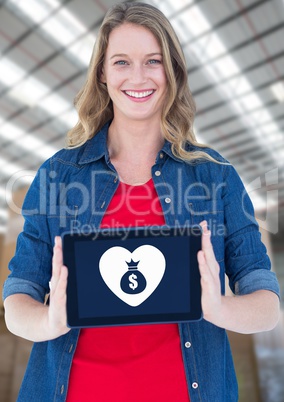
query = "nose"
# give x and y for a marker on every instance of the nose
(137, 75)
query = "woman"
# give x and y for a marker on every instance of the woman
(133, 160)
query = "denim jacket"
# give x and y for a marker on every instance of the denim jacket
(72, 191)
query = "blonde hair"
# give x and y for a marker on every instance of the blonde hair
(94, 105)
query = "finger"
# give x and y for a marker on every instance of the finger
(206, 234)
(201, 259)
(61, 287)
(203, 268)
(206, 245)
(57, 262)
(57, 309)
(56, 259)
(205, 272)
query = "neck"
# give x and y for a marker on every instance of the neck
(137, 141)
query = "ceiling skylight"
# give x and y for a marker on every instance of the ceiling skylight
(223, 70)
(10, 73)
(69, 118)
(29, 91)
(220, 70)
(62, 26)
(175, 6)
(66, 34)
(278, 91)
(194, 19)
(35, 10)
(26, 141)
(54, 104)
(83, 48)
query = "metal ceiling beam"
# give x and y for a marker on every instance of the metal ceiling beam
(33, 28)
(23, 109)
(247, 146)
(238, 47)
(252, 151)
(232, 118)
(259, 155)
(242, 139)
(44, 63)
(244, 71)
(37, 27)
(227, 102)
(183, 9)
(244, 130)
(222, 23)
(32, 165)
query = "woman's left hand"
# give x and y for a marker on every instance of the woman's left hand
(249, 313)
(211, 299)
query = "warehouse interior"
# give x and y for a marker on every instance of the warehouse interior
(235, 56)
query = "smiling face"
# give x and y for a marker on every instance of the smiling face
(134, 73)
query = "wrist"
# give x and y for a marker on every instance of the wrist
(219, 315)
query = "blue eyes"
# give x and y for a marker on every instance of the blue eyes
(155, 62)
(120, 62)
(123, 62)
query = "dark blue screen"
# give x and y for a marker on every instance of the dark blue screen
(95, 299)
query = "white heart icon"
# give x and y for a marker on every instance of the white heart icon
(151, 264)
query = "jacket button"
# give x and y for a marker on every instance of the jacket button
(187, 345)
(161, 155)
(158, 173)
(194, 385)
(62, 390)
(168, 200)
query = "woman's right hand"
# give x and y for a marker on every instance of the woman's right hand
(33, 320)
(57, 317)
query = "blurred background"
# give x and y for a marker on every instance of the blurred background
(235, 55)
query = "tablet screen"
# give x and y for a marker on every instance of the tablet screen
(140, 277)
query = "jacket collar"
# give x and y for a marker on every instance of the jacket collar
(96, 148)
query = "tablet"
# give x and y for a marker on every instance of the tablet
(132, 276)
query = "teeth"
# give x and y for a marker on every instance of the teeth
(139, 94)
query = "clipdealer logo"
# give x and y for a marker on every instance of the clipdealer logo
(264, 189)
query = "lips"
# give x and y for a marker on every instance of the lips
(139, 95)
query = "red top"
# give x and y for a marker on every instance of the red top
(129, 363)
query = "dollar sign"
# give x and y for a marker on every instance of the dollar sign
(134, 284)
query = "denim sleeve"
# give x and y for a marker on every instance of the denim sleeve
(247, 264)
(31, 265)
(17, 285)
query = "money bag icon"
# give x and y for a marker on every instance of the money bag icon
(133, 281)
